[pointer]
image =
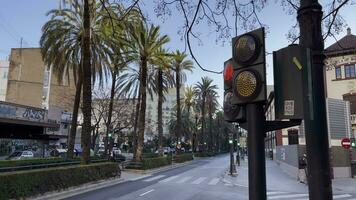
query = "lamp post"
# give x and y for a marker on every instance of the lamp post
(196, 133)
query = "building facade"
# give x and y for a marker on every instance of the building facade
(168, 112)
(4, 69)
(31, 83)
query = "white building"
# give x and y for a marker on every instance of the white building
(168, 112)
(4, 68)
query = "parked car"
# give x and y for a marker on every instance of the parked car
(20, 155)
(166, 150)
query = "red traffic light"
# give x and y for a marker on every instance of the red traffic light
(228, 71)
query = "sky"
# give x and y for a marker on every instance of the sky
(25, 18)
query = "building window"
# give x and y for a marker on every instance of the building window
(5, 75)
(350, 71)
(293, 137)
(338, 72)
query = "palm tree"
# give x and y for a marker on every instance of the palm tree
(67, 45)
(188, 103)
(164, 81)
(212, 104)
(180, 64)
(144, 43)
(202, 89)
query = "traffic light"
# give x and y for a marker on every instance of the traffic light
(110, 135)
(249, 77)
(353, 143)
(232, 112)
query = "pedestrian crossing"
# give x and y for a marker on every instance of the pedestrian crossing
(279, 195)
(213, 181)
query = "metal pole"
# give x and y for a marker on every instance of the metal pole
(256, 152)
(232, 165)
(316, 133)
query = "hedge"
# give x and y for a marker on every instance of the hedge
(150, 155)
(34, 182)
(150, 163)
(35, 161)
(205, 154)
(179, 158)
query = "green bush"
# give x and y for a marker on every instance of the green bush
(205, 154)
(35, 161)
(149, 155)
(179, 158)
(150, 163)
(34, 182)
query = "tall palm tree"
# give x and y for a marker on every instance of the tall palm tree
(144, 42)
(188, 104)
(180, 64)
(202, 89)
(164, 81)
(71, 43)
(212, 104)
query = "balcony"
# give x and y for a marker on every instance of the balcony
(353, 119)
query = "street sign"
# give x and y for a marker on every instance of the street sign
(346, 143)
(288, 65)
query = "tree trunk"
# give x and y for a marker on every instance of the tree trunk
(178, 127)
(202, 137)
(111, 104)
(210, 127)
(86, 85)
(135, 134)
(159, 109)
(73, 128)
(142, 115)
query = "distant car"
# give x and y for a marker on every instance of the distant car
(166, 150)
(20, 155)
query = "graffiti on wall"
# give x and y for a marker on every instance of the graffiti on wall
(22, 112)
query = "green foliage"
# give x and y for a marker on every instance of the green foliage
(36, 161)
(205, 154)
(151, 163)
(179, 158)
(149, 155)
(34, 182)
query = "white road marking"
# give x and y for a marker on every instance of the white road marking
(154, 178)
(288, 196)
(168, 179)
(274, 193)
(240, 185)
(184, 179)
(199, 180)
(341, 196)
(146, 192)
(214, 181)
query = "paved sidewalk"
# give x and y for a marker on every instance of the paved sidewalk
(277, 179)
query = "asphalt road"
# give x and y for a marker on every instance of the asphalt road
(204, 180)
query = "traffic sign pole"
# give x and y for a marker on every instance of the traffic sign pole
(256, 153)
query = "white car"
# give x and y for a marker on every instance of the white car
(19, 155)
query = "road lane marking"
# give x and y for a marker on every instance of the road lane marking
(154, 178)
(168, 179)
(274, 193)
(341, 196)
(199, 180)
(146, 192)
(184, 179)
(288, 196)
(214, 181)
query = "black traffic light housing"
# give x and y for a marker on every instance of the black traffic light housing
(249, 80)
(353, 143)
(232, 112)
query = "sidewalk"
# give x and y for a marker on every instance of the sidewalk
(277, 179)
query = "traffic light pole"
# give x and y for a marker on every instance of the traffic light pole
(256, 154)
(316, 133)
